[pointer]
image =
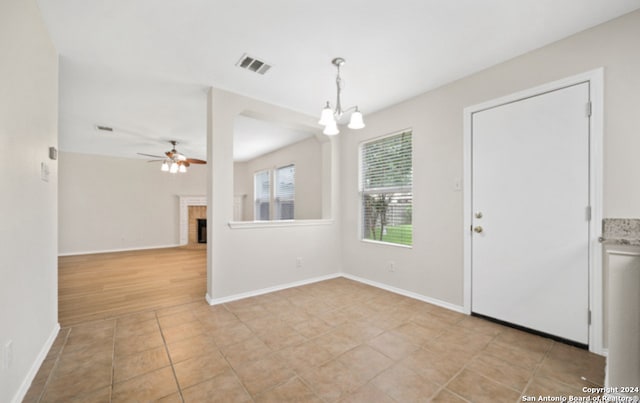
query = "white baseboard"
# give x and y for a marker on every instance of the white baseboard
(235, 297)
(93, 252)
(410, 294)
(26, 383)
(419, 297)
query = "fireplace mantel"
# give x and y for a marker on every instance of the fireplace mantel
(185, 202)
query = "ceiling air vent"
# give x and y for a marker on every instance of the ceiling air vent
(104, 128)
(253, 64)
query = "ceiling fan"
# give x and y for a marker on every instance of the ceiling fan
(174, 161)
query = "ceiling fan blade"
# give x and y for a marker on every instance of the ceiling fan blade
(169, 154)
(185, 163)
(149, 155)
(156, 160)
(195, 161)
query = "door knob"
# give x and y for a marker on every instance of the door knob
(478, 229)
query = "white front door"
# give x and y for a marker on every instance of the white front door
(530, 193)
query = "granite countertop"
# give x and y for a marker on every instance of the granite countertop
(621, 231)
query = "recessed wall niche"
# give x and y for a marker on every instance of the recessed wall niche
(281, 171)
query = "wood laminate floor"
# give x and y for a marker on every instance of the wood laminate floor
(107, 285)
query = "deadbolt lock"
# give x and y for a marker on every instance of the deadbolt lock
(478, 214)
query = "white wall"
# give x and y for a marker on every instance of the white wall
(434, 267)
(110, 203)
(307, 157)
(28, 226)
(241, 260)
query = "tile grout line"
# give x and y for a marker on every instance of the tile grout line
(473, 357)
(535, 370)
(166, 349)
(55, 365)
(225, 357)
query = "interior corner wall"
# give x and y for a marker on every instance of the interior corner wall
(243, 260)
(28, 229)
(307, 157)
(112, 203)
(434, 266)
(243, 187)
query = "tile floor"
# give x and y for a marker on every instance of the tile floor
(337, 340)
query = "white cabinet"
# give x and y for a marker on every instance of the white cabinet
(623, 317)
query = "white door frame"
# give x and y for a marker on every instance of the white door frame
(596, 95)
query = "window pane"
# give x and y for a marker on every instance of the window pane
(387, 217)
(262, 194)
(387, 163)
(285, 192)
(386, 188)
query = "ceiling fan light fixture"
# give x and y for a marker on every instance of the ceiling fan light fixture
(174, 167)
(173, 161)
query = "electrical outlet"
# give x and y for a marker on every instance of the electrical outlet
(299, 262)
(391, 266)
(44, 172)
(457, 184)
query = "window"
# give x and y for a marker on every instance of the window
(280, 195)
(386, 189)
(262, 195)
(285, 192)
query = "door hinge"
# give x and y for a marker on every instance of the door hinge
(589, 317)
(588, 213)
(588, 109)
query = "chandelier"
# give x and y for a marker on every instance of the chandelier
(330, 117)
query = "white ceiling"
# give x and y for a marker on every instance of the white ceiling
(142, 66)
(254, 137)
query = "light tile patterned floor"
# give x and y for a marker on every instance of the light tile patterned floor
(337, 340)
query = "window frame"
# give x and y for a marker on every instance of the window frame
(393, 189)
(256, 201)
(278, 199)
(273, 209)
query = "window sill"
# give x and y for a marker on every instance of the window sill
(397, 245)
(278, 224)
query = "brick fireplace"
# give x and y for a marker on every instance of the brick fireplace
(196, 213)
(192, 208)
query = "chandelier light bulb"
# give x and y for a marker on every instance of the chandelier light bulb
(174, 168)
(356, 121)
(327, 115)
(331, 129)
(182, 168)
(164, 167)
